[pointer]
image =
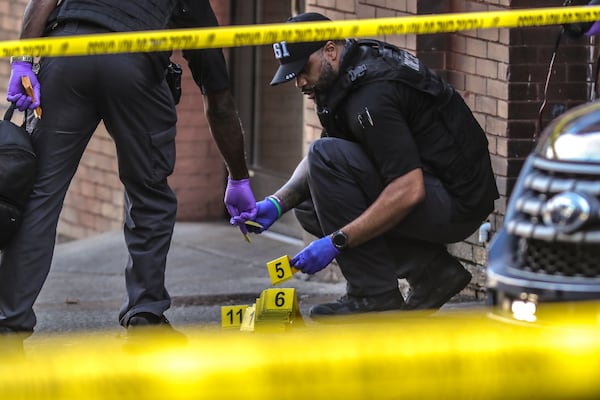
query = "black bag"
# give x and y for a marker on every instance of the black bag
(17, 174)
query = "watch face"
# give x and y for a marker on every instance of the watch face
(339, 240)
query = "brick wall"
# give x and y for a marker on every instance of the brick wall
(476, 63)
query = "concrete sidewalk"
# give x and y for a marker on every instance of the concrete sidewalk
(209, 265)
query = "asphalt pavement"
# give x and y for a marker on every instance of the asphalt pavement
(209, 265)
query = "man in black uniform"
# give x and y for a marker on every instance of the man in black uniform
(402, 169)
(209, 71)
(130, 94)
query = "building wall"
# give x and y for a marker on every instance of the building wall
(476, 64)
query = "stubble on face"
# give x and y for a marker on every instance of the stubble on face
(327, 76)
(324, 81)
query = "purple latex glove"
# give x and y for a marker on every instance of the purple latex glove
(594, 30)
(266, 215)
(315, 256)
(16, 92)
(240, 202)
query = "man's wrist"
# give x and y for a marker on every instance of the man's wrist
(339, 240)
(27, 59)
(277, 203)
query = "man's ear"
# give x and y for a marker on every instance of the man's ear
(331, 51)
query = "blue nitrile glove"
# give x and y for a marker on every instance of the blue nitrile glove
(315, 256)
(267, 213)
(240, 202)
(594, 30)
(16, 92)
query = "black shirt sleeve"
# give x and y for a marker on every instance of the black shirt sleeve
(208, 66)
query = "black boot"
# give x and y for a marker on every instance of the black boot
(143, 323)
(348, 305)
(439, 282)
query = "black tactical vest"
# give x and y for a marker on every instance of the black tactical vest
(368, 61)
(465, 170)
(123, 15)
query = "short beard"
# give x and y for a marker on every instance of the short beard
(327, 77)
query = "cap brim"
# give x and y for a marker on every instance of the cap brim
(287, 72)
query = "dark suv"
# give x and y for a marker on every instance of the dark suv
(549, 247)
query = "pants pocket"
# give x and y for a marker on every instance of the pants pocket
(163, 154)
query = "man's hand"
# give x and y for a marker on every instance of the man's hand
(240, 202)
(594, 30)
(315, 256)
(266, 214)
(16, 92)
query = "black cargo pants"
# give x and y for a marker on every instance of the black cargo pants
(343, 184)
(135, 104)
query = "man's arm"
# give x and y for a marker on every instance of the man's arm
(394, 203)
(35, 17)
(209, 71)
(290, 195)
(226, 129)
(296, 189)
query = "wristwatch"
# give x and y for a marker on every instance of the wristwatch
(339, 240)
(28, 59)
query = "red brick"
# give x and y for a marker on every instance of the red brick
(476, 84)
(487, 68)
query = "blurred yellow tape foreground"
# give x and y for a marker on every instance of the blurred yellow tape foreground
(248, 35)
(402, 356)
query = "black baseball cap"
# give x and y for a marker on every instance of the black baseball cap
(294, 56)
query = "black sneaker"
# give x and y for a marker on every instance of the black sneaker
(145, 323)
(347, 305)
(147, 319)
(438, 284)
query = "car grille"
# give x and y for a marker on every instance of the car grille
(542, 248)
(562, 259)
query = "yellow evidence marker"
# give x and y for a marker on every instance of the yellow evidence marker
(277, 309)
(248, 319)
(280, 270)
(232, 316)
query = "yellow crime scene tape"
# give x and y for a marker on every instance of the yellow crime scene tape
(252, 35)
(405, 355)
